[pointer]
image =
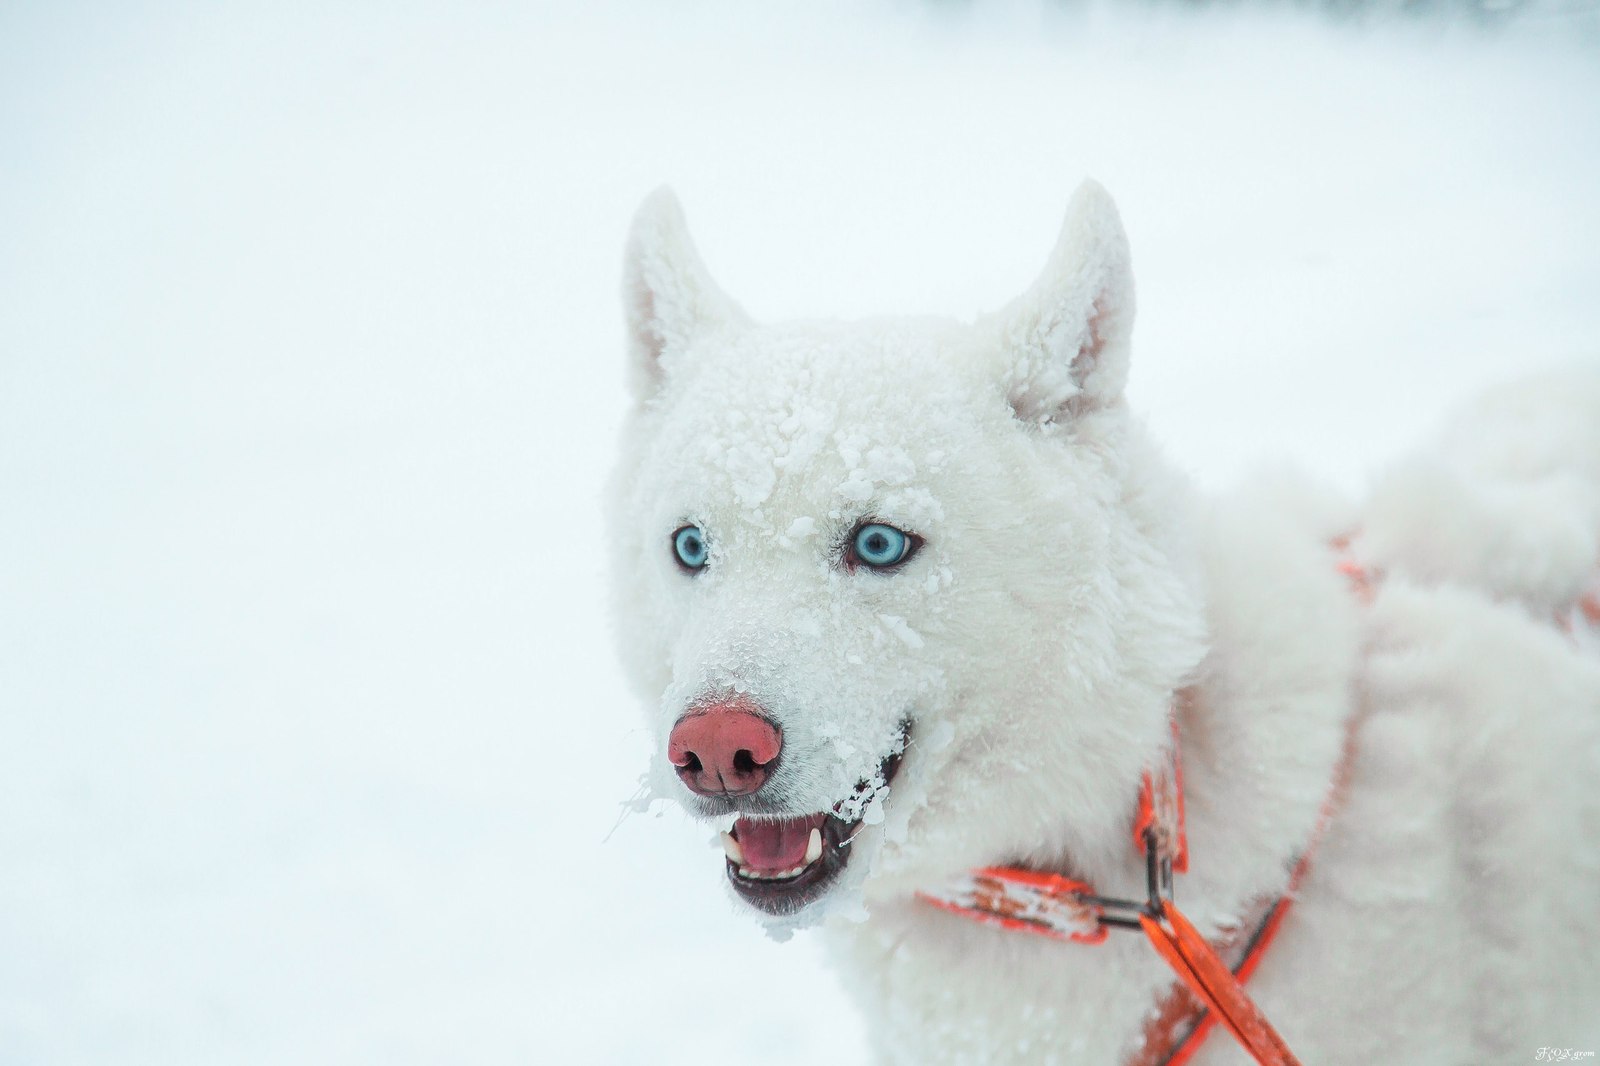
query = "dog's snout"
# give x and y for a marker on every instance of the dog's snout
(727, 748)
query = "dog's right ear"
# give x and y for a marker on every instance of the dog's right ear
(667, 293)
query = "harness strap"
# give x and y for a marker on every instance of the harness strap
(1194, 960)
(1183, 1022)
(1208, 992)
(1161, 802)
(1169, 1041)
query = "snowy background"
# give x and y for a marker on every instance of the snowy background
(310, 369)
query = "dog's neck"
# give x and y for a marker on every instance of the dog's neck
(1265, 726)
(1261, 717)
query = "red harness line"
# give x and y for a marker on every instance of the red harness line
(1208, 991)
(1167, 1041)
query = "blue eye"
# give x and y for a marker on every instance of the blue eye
(880, 546)
(689, 544)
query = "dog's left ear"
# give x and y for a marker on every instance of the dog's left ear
(667, 293)
(1066, 339)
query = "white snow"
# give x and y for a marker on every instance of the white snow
(311, 361)
(902, 629)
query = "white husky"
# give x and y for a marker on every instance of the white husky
(911, 597)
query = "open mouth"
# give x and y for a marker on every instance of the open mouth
(778, 865)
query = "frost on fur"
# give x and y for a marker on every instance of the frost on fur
(779, 440)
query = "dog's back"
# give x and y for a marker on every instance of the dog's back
(1507, 500)
(1467, 850)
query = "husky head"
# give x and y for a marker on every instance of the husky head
(899, 594)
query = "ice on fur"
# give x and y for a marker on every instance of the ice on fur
(994, 697)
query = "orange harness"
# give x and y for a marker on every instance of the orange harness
(1209, 990)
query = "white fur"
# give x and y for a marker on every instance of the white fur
(1070, 583)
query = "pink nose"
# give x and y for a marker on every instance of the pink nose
(725, 748)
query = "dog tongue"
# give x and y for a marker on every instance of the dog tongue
(773, 846)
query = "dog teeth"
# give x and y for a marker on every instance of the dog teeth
(752, 874)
